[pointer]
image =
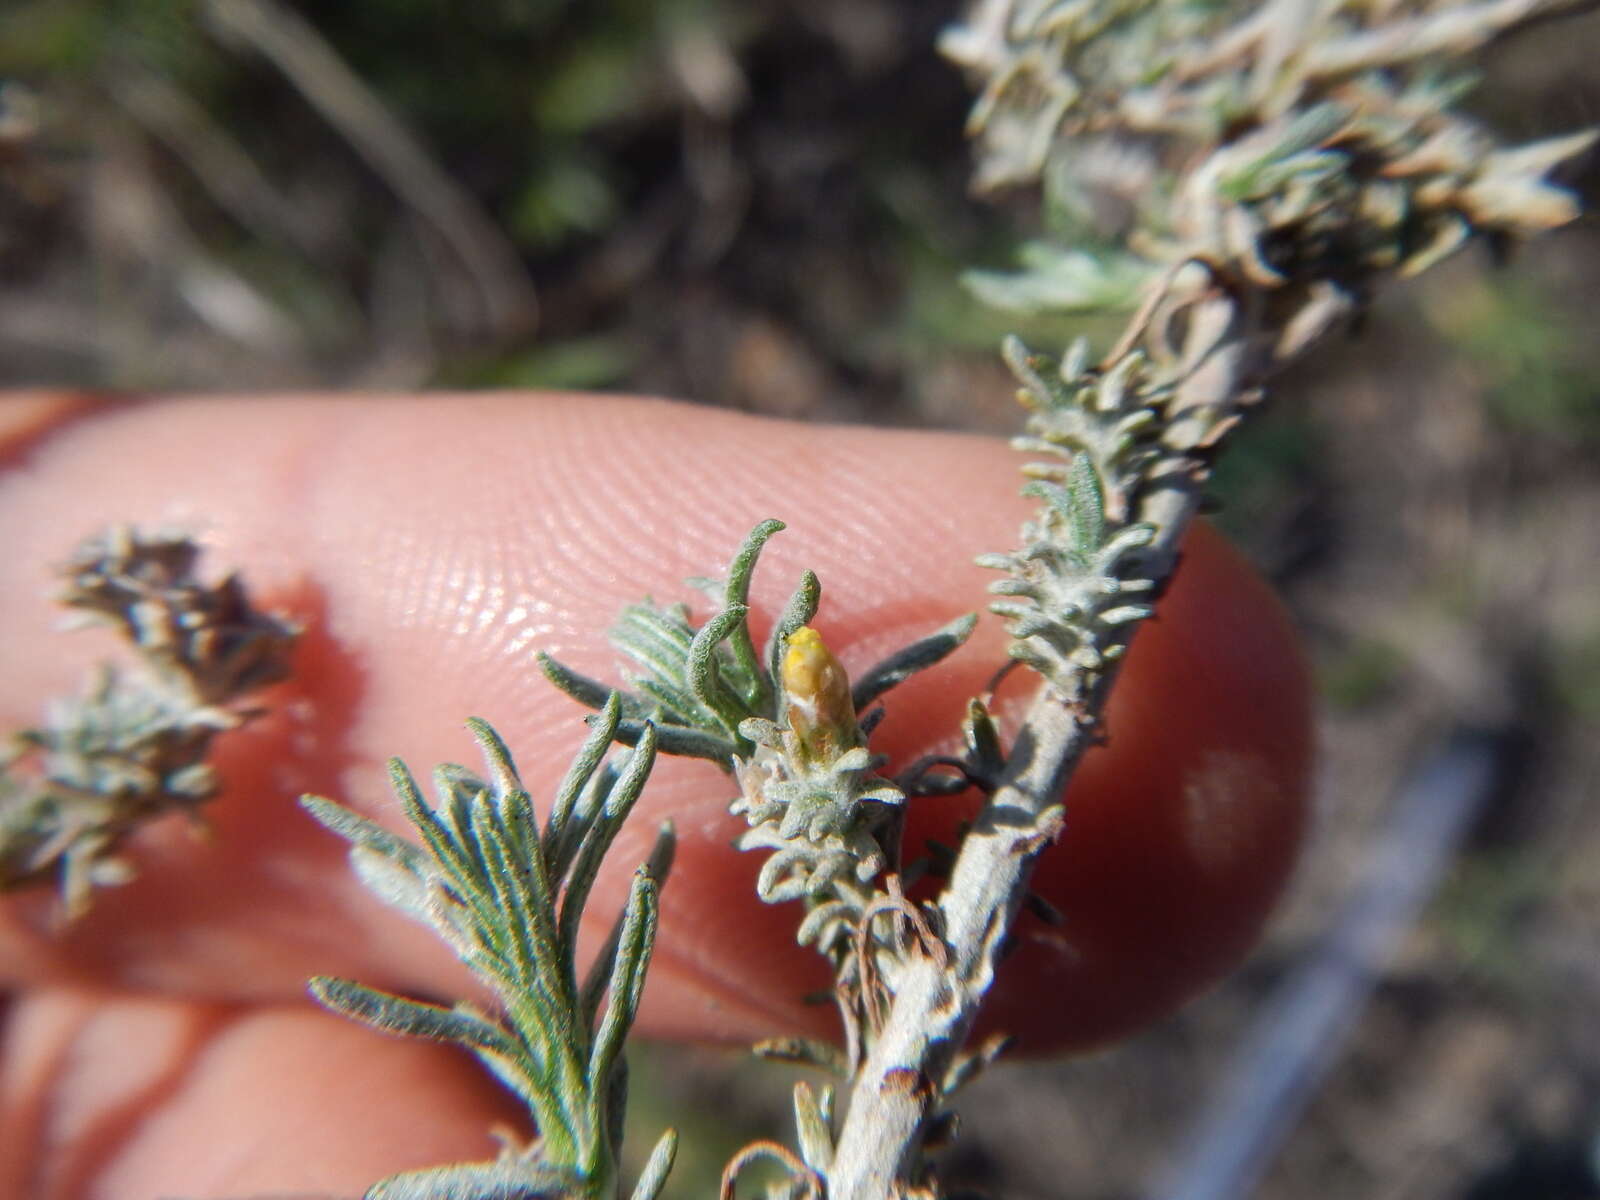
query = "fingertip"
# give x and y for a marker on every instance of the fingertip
(145, 1096)
(430, 546)
(27, 417)
(433, 547)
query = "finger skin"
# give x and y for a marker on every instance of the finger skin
(431, 545)
(118, 1097)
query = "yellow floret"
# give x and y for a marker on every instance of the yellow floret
(818, 694)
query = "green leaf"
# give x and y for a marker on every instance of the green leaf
(485, 881)
(501, 1179)
(602, 732)
(1060, 279)
(811, 1119)
(585, 691)
(502, 771)
(985, 753)
(394, 884)
(363, 832)
(654, 1175)
(586, 864)
(658, 641)
(599, 974)
(1086, 514)
(918, 656)
(802, 606)
(703, 666)
(627, 975)
(682, 741)
(806, 1052)
(757, 691)
(393, 1014)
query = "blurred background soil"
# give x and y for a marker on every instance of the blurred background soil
(763, 204)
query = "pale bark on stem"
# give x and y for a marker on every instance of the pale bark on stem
(898, 1087)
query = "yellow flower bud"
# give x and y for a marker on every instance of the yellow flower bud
(817, 694)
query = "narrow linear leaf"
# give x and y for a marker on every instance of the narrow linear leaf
(412, 1018)
(619, 801)
(447, 830)
(703, 668)
(456, 855)
(496, 756)
(527, 899)
(597, 840)
(802, 606)
(482, 880)
(585, 811)
(984, 747)
(591, 693)
(364, 832)
(679, 702)
(1088, 508)
(602, 732)
(758, 693)
(446, 851)
(918, 656)
(806, 1052)
(668, 629)
(627, 976)
(656, 1167)
(656, 642)
(970, 1064)
(452, 837)
(1036, 393)
(616, 1104)
(811, 1125)
(682, 741)
(502, 1179)
(659, 864)
(396, 885)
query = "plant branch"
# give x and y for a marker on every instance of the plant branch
(487, 880)
(899, 1087)
(1274, 233)
(136, 745)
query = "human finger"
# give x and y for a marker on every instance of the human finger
(115, 1096)
(430, 545)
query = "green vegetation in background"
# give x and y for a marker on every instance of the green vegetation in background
(1536, 366)
(602, 360)
(1264, 472)
(936, 245)
(1481, 912)
(708, 1135)
(517, 97)
(1574, 668)
(1360, 675)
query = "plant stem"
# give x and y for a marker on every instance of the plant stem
(899, 1085)
(1275, 233)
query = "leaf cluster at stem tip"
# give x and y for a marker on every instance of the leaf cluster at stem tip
(508, 896)
(700, 684)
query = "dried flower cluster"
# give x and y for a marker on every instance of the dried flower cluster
(135, 745)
